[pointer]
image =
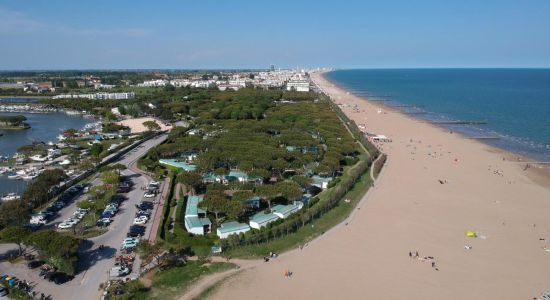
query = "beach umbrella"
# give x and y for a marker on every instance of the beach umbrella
(471, 234)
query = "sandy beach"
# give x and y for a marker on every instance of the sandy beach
(435, 187)
(136, 124)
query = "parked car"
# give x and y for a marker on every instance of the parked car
(103, 222)
(79, 215)
(129, 245)
(107, 214)
(60, 278)
(127, 240)
(65, 225)
(118, 271)
(3, 291)
(140, 220)
(134, 233)
(146, 213)
(35, 264)
(154, 183)
(145, 205)
(149, 194)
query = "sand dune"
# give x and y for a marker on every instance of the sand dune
(409, 209)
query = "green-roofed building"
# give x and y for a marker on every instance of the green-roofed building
(228, 228)
(233, 176)
(261, 219)
(283, 211)
(196, 221)
(321, 182)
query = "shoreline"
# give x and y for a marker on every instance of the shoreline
(435, 187)
(492, 139)
(540, 173)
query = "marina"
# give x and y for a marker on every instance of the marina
(45, 128)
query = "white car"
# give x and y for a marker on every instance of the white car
(154, 183)
(149, 195)
(118, 271)
(130, 240)
(140, 220)
(104, 222)
(64, 225)
(79, 215)
(71, 221)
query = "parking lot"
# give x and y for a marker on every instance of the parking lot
(97, 255)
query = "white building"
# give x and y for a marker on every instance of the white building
(196, 221)
(225, 86)
(228, 228)
(300, 85)
(153, 83)
(261, 219)
(98, 96)
(283, 211)
(180, 82)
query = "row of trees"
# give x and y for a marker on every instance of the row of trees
(56, 249)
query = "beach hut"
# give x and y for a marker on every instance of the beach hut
(228, 228)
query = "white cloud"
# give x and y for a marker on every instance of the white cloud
(15, 22)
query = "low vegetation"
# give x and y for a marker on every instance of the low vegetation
(167, 284)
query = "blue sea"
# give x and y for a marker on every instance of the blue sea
(515, 103)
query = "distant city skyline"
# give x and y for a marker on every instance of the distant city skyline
(209, 34)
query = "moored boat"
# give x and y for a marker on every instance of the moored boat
(10, 197)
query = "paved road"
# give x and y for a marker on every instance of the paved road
(96, 263)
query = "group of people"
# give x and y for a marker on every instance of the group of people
(425, 258)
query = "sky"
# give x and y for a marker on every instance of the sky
(217, 34)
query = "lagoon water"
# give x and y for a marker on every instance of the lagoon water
(44, 127)
(515, 103)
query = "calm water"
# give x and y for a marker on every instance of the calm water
(18, 99)
(514, 102)
(44, 127)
